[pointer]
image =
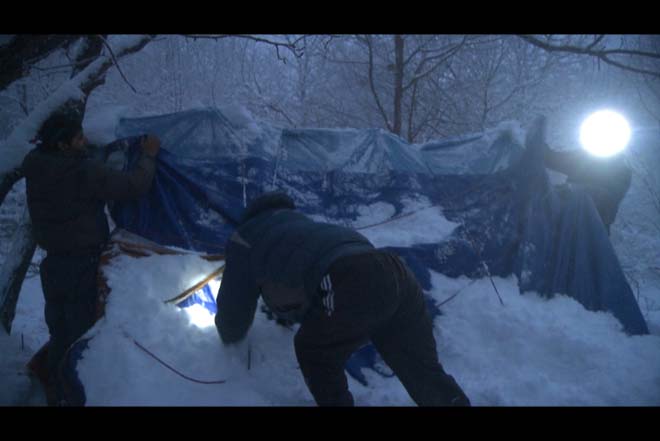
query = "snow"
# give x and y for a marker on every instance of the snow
(531, 351)
(29, 333)
(99, 125)
(538, 352)
(416, 213)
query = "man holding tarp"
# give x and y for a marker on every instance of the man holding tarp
(599, 166)
(66, 195)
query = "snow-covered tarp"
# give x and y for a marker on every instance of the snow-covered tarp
(509, 219)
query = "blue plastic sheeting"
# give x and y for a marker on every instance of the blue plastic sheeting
(511, 220)
(203, 297)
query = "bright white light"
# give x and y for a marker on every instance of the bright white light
(200, 316)
(604, 133)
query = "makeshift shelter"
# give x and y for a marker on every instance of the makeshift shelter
(493, 186)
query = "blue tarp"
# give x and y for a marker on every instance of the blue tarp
(511, 219)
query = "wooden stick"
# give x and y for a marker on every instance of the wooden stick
(190, 291)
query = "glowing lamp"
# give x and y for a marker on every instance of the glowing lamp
(604, 133)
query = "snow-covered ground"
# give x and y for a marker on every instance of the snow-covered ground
(29, 333)
(531, 351)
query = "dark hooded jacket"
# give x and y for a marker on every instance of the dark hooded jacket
(66, 194)
(282, 255)
(605, 179)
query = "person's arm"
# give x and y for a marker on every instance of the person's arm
(238, 295)
(106, 184)
(566, 162)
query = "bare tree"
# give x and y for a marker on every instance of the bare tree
(397, 67)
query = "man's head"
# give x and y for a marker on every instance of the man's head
(268, 201)
(63, 131)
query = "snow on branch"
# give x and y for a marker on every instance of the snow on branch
(17, 145)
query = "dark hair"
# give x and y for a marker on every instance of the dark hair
(62, 126)
(268, 201)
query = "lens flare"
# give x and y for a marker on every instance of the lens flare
(605, 133)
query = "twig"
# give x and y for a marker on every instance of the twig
(600, 55)
(114, 59)
(297, 52)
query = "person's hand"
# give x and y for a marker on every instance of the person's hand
(151, 145)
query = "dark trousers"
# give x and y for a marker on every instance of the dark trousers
(376, 298)
(70, 290)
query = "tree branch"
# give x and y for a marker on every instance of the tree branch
(93, 48)
(17, 57)
(293, 47)
(600, 54)
(74, 65)
(116, 63)
(98, 75)
(595, 42)
(443, 57)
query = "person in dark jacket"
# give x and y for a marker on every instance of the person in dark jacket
(66, 195)
(606, 180)
(341, 290)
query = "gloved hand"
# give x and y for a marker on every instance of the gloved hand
(151, 145)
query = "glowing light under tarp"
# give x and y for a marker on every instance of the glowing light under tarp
(198, 314)
(604, 133)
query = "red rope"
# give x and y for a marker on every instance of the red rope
(456, 293)
(170, 367)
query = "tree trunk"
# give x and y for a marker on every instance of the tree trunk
(13, 271)
(398, 83)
